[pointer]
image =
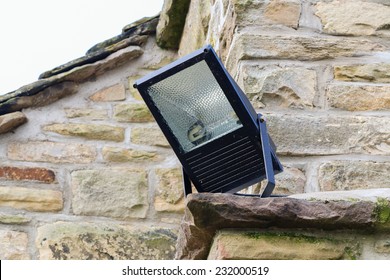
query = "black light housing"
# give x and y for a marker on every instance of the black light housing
(220, 140)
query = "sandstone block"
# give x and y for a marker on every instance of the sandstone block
(13, 219)
(350, 175)
(90, 114)
(13, 245)
(148, 136)
(305, 134)
(115, 154)
(102, 241)
(88, 131)
(27, 173)
(133, 91)
(354, 18)
(233, 245)
(117, 193)
(113, 93)
(359, 98)
(169, 192)
(275, 86)
(286, 12)
(133, 112)
(42, 151)
(375, 73)
(291, 181)
(39, 200)
(9, 122)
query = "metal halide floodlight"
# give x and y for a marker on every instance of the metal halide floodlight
(218, 137)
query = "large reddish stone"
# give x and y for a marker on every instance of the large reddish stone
(26, 173)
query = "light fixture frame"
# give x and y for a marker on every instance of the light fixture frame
(253, 133)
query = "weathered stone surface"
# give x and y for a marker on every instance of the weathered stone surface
(149, 136)
(102, 241)
(43, 151)
(90, 114)
(358, 98)
(27, 173)
(172, 19)
(349, 175)
(117, 193)
(254, 45)
(206, 213)
(13, 245)
(286, 12)
(290, 181)
(305, 134)
(270, 86)
(354, 18)
(14, 219)
(39, 200)
(113, 93)
(375, 73)
(132, 112)
(116, 154)
(382, 246)
(270, 245)
(11, 121)
(88, 131)
(169, 192)
(133, 91)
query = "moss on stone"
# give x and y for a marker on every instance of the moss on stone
(382, 213)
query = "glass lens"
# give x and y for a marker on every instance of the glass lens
(194, 106)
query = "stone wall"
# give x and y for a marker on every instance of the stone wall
(88, 174)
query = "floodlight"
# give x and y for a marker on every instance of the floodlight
(220, 140)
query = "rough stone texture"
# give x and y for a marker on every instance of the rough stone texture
(169, 192)
(358, 98)
(43, 151)
(117, 193)
(349, 175)
(290, 181)
(133, 91)
(103, 241)
(374, 73)
(90, 114)
(171, 24)
(112, 93)
(88, 131)
(14, 219)
(327, 134)
(116, 154)
(354, 18)
(382, 246)
(11, 121)
(27, 173)
(275, 86)
(132, 112)
(286, 12)
(149, 136)
(39, 200)
(206, 213)
(13, 245)
(257, 245)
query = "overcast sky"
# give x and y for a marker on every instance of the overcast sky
(38, 35)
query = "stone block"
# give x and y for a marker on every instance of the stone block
(88, 131)
(358, 97)
(39, 200)
(116, 193)
(307, 134)
(151, 136)
(27, 173)
(90, 114)
(169, 191)
(132, 112)
(113, 93)
(374, 73)
(13, 245)
(14, 219)
(103, 241)
(276, 86)
(286, 12)
(236, 245)
(11, 121)
(291, 181)
(356, 18)
(43, 151)
(352, 175)
(116, 154)
(133, 91)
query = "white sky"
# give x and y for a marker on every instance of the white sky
(38, 35)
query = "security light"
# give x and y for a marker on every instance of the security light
(221, 142)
